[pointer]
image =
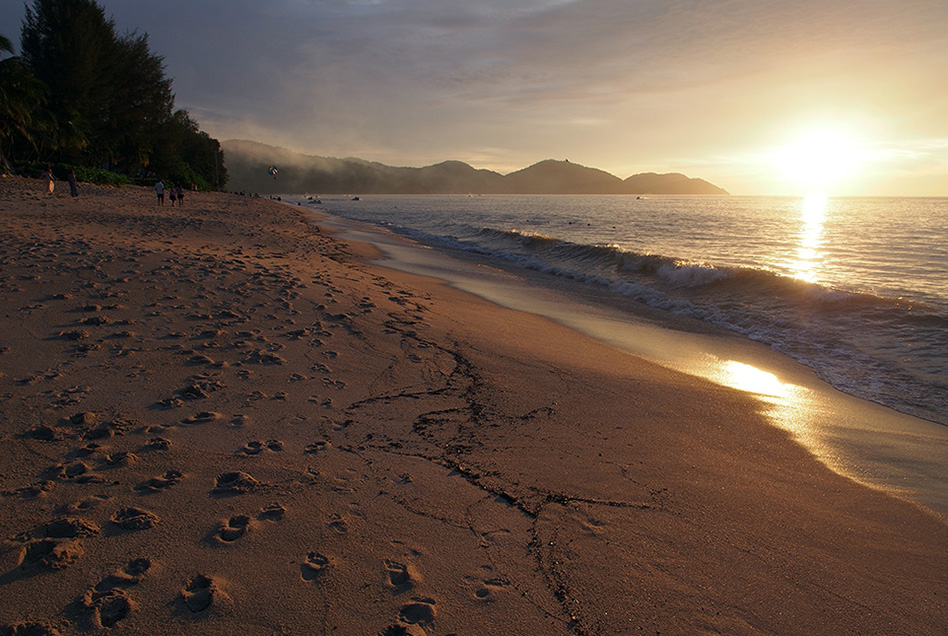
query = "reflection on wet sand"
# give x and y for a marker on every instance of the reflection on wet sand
(862, 440)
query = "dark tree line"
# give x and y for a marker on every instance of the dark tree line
(82, 95)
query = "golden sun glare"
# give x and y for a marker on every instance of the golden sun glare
(819, 160)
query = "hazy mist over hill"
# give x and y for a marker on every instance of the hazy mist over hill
(248, 165)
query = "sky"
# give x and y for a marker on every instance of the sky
(839, 97)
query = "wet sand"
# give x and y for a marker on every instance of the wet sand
(879, 447)
(220, 419)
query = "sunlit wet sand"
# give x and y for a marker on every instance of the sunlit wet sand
(874, 445)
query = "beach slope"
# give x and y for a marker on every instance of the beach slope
(216, 419)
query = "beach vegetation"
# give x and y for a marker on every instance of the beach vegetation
(85, 174)
(89, 97)
(22, 101)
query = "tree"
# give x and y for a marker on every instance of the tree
(68, 44)
(109, 102)
(139, 103)
(188, 154)
(22, 102)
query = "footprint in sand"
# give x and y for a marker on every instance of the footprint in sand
(44, 433)
(488, 589)
(157, 484)
(76, 471)
(120, 458)
(88, 503)
(314, 566)
(201, 592)
(338, 524)
(317, 447)
(264, 358)
(233, 529)
(134, 519)
(106, 430)
(240, 420)
(33, 490)
(273, 512)
(29, 628)
(157, 444)
(421, 611)
(199, 359)
(67, 528)
(202, 417)
(255, 447)
(50, 553)
(107, 603)
(131, 574)
(105, 609)
(235, 483)
(401, 576)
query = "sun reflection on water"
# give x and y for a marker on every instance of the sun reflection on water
(808, 258)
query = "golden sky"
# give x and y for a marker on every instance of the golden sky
(759, 97)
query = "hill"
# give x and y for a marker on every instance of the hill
(563, 177)
(248, 163)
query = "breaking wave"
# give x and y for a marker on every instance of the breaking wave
(848, 337)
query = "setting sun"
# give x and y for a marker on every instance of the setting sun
(819, 160)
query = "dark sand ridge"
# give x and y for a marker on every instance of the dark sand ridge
(222, 422)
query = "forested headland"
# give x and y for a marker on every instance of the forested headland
(80, 96)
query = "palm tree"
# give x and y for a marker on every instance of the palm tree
(22, 97)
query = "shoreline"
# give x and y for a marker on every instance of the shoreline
(864, 440)
(224, 421)
(891, 357)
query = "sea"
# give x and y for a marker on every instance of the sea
(854, 288)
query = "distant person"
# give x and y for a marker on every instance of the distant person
(180, 196)
(160, 191)
(73, 186)
(172, 195)
(50, 182)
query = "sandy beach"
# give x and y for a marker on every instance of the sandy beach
(219, 419)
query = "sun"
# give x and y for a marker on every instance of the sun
(819, 160)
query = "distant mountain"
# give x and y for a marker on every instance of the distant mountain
(669, 183)
(248, 164)
(563, 177)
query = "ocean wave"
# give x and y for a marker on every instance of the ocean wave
(613, 263)
(887, 349)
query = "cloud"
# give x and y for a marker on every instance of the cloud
(610, 83)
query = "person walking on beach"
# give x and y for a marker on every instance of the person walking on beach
(160, 191)
(180, 196)
(50, 183)
(172, 195)
(73, 186)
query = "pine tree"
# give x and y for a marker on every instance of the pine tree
(68, 44)
(109, 102)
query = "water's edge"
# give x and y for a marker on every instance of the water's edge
(870, 443)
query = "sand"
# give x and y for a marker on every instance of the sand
(220, 420)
